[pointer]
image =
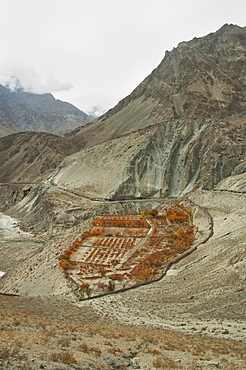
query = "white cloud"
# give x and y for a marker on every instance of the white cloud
(21, 76)
(10, 82)
(96, 111)
(54, 84)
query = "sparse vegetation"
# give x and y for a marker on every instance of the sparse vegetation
(64, 357)
(60, 333)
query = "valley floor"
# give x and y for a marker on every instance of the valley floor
(194, 318)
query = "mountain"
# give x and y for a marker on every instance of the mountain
(25, 111)
(201, 79)
(183, 126)
(165, 160)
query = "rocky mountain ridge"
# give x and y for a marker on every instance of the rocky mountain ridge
(201, 78)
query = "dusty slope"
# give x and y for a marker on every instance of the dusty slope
(50, 333)
(167, 159)
(207, 285)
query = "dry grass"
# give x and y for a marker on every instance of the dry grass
(64, 357)
(164, 362)
(57, 332)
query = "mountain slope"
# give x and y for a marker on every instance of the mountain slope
(164, 160)
(28, 157)
(141, 148)
(24, 111)
(183, 126)
(204, 77)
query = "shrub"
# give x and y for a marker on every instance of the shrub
(164, 362)
(65, 357)
(176, 216)
(88, 291)
(68, 253)
(111, 286)
(154, 212)
(64, 257)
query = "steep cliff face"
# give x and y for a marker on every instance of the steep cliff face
(202, 78)
(165, 160)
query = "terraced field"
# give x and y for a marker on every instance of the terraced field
(124, 251)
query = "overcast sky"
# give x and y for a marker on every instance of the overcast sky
(92, 53)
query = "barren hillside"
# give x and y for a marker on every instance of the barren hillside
(183, 126)
(200, 302)
(165, 160)
(30, 157)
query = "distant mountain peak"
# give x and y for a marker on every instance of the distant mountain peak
(26, 111)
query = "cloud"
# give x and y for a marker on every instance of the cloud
(23, 76)
(54, 84)
(11, 82)
(96, 111)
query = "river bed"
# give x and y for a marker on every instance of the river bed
(9, 234)
(9, 228)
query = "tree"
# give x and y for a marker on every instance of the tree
(64, 264)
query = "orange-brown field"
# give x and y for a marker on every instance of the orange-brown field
(122, 251)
